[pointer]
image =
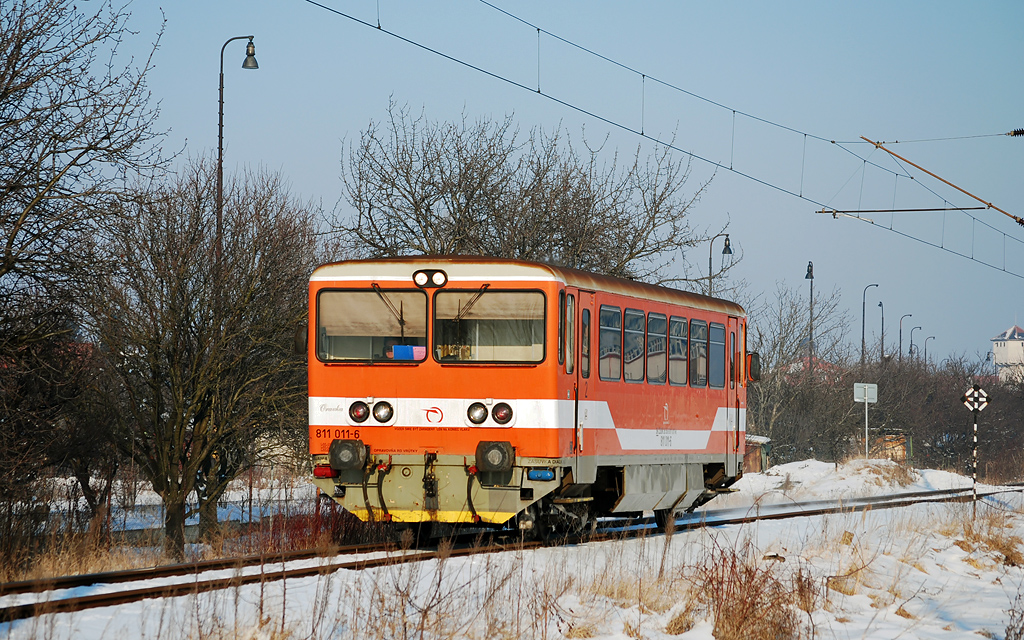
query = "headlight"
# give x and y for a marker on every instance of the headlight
(477, 413)
(382, 411)
(359, 411)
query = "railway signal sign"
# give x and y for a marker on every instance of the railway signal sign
(975, 399)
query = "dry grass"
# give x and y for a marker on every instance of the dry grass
(748, 598)
(682, 621)
(583, 630)
(988, 533)
(884, 473)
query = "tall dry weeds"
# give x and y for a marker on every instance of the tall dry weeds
(747, 597)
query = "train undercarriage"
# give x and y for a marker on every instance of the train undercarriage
(538, 497)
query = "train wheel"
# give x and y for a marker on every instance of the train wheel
(663, 517)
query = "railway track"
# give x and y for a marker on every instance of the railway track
(254, 569)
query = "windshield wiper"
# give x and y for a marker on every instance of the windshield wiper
(398, 313)
(469, 305)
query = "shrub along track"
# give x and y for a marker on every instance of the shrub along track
(465, 545)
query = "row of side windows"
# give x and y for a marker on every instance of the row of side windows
(658, 352)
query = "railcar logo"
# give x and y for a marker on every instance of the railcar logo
(434, 415)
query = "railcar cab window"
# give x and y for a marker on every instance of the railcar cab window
(698, 353)
(633, 348)
(484, 325)
(378, 325)
(716, 374)
(609, 348)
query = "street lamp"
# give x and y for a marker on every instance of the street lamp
(248, 63)
(882, 348)
(900, 352)
(910, 352)
(863, 301)
(926, 350)
(810, 318)
(726, 251)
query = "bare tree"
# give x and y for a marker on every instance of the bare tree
(795, 402)
(75, 122)
(202, 357)
(420, 187)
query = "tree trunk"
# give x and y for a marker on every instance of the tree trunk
(174, 529)
(209, 525)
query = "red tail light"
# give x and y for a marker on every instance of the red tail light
(324, 471)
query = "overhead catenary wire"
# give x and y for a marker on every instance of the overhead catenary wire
(640, 132)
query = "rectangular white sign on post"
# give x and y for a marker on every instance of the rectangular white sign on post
(865, 392)
(868, 394)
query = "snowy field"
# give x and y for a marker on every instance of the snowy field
(927, 571)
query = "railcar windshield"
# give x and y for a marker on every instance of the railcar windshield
(482, 325)
(378, 325)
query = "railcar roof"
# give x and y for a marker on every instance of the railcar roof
(477, 268)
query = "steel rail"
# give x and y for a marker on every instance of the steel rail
(181, 569)
(81, 603)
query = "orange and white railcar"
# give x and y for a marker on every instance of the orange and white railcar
(466, 389)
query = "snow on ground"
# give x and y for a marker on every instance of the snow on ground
(928, 571)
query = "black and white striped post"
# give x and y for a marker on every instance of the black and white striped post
(975, 399)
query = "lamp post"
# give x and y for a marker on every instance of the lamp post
(248, 63)
(863, 301)
(910, 352)
(810, 318)
(726, 251)
(881, 350)
(926, 350)
(900, 352)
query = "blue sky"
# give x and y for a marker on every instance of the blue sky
(885, 70)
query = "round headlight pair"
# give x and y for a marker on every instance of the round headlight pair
(430, 278)
(359, 411)
(501, 413)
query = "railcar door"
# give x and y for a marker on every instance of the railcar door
(585, 467)
(734, 452)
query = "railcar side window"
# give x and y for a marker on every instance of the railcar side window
(570, 332)
(585, 343)
(698, 353)
(716, 375)
(732, 359)
(633, 348)
(677, 353)
(657, 342)
(609, 348)
(379, 325)
(561, 327)
(482, 325)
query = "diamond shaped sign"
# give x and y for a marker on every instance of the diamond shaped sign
(975, 399)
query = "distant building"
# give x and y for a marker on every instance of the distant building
(755, 460)
(1008, 354)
